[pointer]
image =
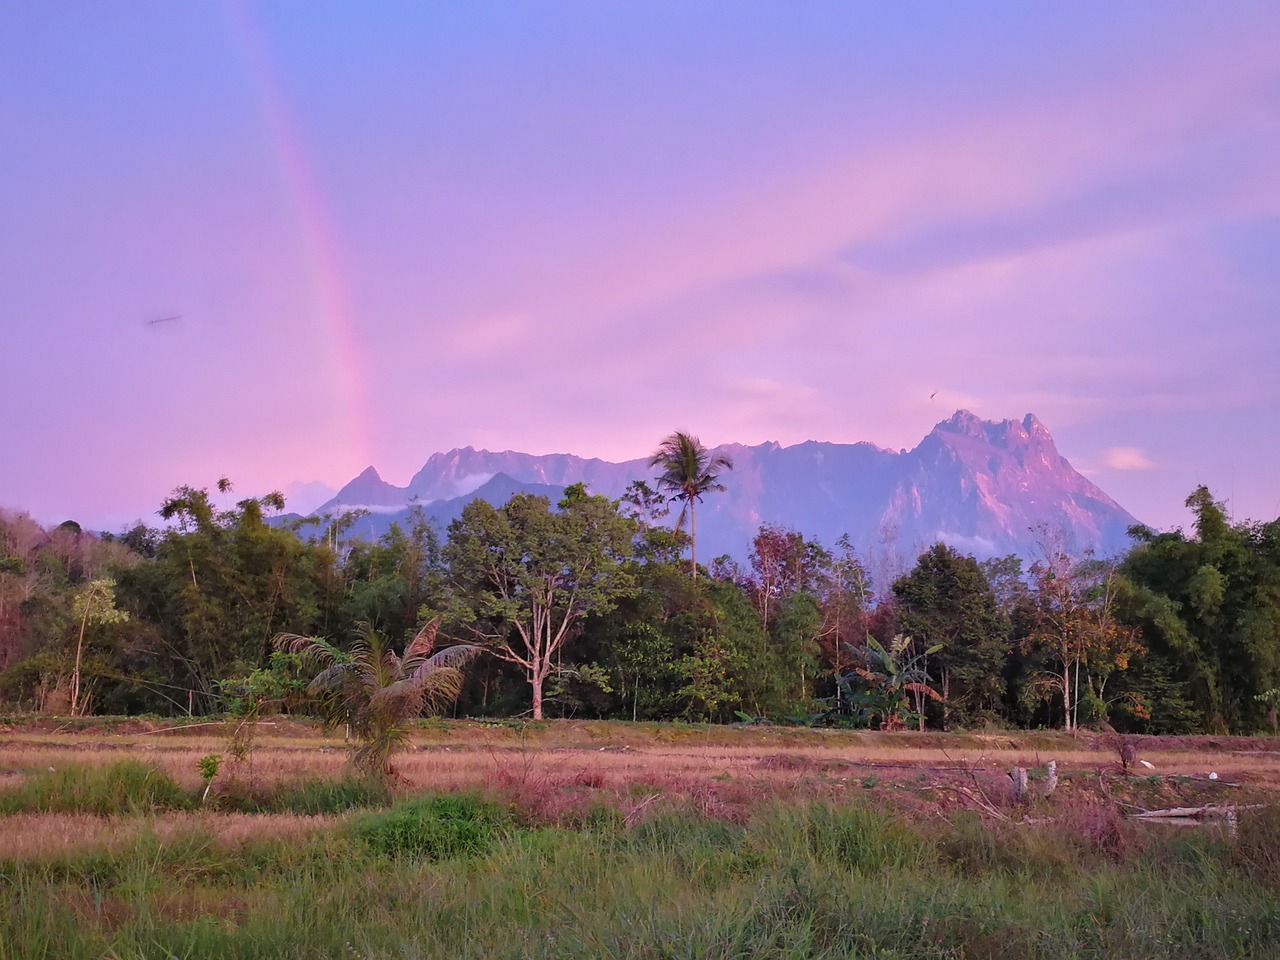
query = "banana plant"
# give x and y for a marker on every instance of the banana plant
(890, 676)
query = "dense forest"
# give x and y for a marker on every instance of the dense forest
(593, 608)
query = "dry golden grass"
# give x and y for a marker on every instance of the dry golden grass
(467, 754)
(562, 768)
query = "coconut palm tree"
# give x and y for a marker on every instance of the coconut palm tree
(376, 692)
(688, 471)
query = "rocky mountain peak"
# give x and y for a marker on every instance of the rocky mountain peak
(367, 490)
(964, 423)
(977, 484)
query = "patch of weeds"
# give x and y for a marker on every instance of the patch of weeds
(852, 838)
(869, 783)
(861, 839)
(1098, 829)
(604, 820)
(976, 848)
(679, 835)
(129, 787)
(305, 797)
(593, 778)
(444, 827)
(1257, 844)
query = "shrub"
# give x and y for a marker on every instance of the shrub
(443, 827)
(129, 787)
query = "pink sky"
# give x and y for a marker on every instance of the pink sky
(576, 227)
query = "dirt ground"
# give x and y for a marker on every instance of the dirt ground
(559, 770)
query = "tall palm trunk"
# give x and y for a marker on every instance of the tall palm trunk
(693, 539)
(689, 471)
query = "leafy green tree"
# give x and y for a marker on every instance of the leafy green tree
(732, 666)
(644, 638)
(946, 603)
(222, 583)
(58, 618)
(787, 572)
(794, 635)
(1209, 605)
(655, 543)
(524, 576)
(709, 673)
(1008, 582)
(95, 604)
(377, 692)
(689, 471)
(389, 581)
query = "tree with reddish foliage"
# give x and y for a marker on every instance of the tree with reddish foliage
(845, 601)
(1075, 626)
(783, 563)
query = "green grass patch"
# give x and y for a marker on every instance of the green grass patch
(451, 876)
(443, 827)
(126, 788)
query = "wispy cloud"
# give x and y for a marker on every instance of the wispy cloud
(1126, 458)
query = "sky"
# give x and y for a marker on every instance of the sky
(392, 229)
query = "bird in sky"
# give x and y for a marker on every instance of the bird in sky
(152, 323)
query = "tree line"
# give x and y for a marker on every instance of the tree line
(592, 607)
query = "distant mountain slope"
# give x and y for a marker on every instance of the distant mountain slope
(979, 485)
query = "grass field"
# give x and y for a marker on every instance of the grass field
(578, 839)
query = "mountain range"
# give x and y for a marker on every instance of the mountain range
(985, 487)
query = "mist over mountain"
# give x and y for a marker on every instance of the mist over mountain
(985, 487)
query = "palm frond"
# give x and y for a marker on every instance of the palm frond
(439, 689)
(367, 639)
(395, 703)
(721, 461)
(331, 679)
(684, 514)
(424, 641)
(316, 652)
(450, 658)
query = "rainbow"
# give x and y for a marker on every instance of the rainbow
(346, 362)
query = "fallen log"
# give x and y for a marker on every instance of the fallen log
(1196, 813)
